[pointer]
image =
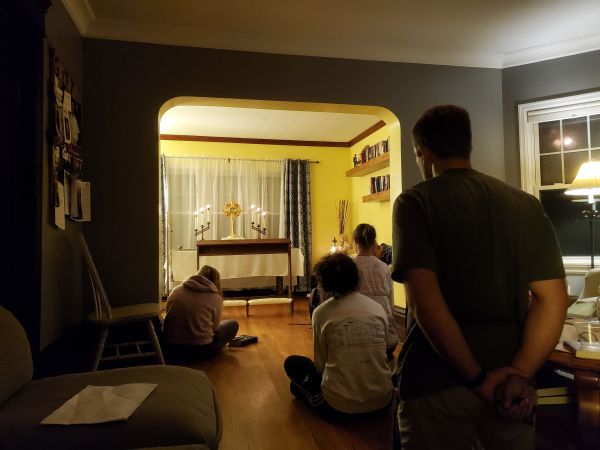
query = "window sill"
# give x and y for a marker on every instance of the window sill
(578, 265)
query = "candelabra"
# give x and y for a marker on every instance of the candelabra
(259, 230)
(203, 229)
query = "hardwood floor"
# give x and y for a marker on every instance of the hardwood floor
(260, 413)
(258, 410)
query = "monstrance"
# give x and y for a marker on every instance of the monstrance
(232, 210)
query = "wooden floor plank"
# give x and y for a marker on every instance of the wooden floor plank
(259, 412)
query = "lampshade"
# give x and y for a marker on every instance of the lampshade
(587, 181)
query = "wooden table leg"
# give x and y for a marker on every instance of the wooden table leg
(588, 413)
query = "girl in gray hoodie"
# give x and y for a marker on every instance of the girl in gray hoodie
(193, 327)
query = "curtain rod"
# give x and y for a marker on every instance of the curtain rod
(243, 159)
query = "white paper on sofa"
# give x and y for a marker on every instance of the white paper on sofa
(98, 404)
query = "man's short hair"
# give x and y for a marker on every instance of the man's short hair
(337, 274)
(445, 130)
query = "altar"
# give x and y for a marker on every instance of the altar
(240, 271)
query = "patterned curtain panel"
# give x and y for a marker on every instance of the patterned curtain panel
(164, 220)
(296, 219)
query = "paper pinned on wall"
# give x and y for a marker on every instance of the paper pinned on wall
(59, 206)
(73, 191)
(81, 208)
(67, 187)
(86, 207)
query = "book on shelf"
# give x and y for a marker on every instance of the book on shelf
(373, 151)
(555, 396)
(379, 183)
(588, 350)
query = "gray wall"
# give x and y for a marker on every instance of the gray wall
(125, 84)
(554, 78)
(61, 305)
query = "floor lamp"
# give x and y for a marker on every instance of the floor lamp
(587, 182)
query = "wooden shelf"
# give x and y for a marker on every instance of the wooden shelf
(370, 166)
(383, 196)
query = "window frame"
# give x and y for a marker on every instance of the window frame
(529, 115)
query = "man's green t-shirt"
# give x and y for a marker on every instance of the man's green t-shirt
(486, 241)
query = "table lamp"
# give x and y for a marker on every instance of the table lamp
(587, 182)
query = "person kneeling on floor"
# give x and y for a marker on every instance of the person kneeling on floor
(193, 328)
(350, 374)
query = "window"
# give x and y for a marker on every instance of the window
(556, 137)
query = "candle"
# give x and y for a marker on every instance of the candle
(258, 214)
(208, 213)
(589, 332)
(201, 216)
(264, 214)
(196, 220)
(252, 213)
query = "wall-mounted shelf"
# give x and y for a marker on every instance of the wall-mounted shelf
(370, 166)
(383, 196)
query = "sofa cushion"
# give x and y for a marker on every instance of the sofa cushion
(16, 368)
(182, 410)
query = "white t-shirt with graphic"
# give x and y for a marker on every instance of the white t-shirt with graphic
(349, 336)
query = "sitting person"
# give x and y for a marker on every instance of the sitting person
(374, 278)
(193, 328)
(350, 373)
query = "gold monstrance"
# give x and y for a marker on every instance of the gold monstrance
(232, 210)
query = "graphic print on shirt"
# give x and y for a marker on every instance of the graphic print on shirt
(358, 333)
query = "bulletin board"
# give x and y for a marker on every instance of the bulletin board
(69, 193)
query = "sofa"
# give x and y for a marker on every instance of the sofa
(181, 411)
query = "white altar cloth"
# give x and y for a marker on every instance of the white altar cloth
(261, 268)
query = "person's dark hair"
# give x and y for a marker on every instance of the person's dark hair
(364, 235)
(445, 130)
(337, 274)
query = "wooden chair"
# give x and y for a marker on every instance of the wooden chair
(105, 317)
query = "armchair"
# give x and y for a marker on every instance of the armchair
(182, 410)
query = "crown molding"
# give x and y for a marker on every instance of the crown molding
(82, 14)
(91, 27)
(194, 37)
(552, 51)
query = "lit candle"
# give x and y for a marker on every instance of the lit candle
(201, 216)
(196, 220)
(208, 213)
(258, 214)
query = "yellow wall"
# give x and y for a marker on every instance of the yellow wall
(328, 181)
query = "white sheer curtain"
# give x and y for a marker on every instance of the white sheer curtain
(192, 183)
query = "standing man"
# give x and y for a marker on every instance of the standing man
(468, 249)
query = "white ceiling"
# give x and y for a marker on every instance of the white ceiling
(264, 123)
(477, 33)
